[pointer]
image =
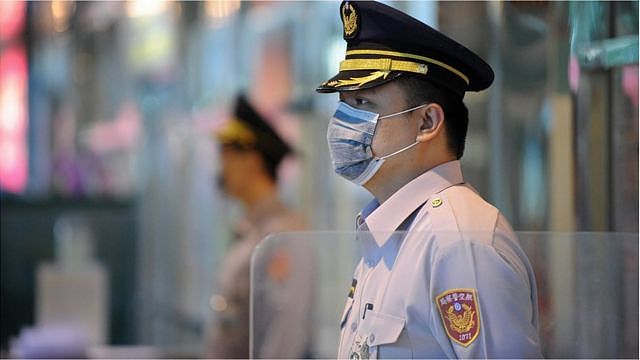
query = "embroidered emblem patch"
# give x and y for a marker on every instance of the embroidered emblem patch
(459, 313)
(279, 267)
(350, 20)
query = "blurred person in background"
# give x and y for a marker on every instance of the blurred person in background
(457, 284)
(251, 152)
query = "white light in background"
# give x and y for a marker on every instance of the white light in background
(221, 8)
(218, 11)
(61, 11)
(145, 8)
(152, 39)
(335, 55)
(425, 11)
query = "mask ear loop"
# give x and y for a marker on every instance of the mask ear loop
(403, 111)
(408, 146)
(398, 151)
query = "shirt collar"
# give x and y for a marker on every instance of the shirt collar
(370, 207)
(384, 218)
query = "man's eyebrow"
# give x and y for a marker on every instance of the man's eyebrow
(354, 93)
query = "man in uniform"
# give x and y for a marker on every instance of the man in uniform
(251, 152)
(457, 283)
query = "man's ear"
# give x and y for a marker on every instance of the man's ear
(430, 123)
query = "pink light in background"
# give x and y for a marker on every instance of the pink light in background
(630, 83)
(122, 132)
(12, 17)
(13, 119)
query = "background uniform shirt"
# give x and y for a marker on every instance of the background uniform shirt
(456, 285)
(283, 296)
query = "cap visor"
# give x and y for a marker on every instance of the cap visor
(357, 80)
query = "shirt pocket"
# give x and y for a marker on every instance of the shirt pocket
(385, 336)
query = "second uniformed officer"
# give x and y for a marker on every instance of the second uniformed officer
(251, 152)
(458, 283)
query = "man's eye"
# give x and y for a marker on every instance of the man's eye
(360, 101)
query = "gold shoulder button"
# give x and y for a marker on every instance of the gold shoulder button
(436, 202)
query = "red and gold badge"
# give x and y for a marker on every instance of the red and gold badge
(279, 266)
(459, 313)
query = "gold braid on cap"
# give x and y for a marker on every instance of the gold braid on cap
(236, 132)
(385, 64)
(359, 81)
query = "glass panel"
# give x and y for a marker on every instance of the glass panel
(120, 106)
(604, 80)
(584, 309)
(625, 125)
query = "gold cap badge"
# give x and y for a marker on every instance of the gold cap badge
(349, 20)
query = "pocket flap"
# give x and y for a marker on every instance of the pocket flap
(386, 329)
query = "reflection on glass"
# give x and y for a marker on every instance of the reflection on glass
(582, 302)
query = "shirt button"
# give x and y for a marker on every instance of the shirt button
(353, 326)
(372, 338)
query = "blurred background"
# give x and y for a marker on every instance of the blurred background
(108, 168)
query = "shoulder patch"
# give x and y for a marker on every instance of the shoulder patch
(458, 310)
(279, 266)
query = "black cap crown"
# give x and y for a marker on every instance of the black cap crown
(248, 129)
(383, 43)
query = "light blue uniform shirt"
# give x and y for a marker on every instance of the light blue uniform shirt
(456, 285)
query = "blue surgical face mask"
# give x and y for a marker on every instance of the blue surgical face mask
(350, 136)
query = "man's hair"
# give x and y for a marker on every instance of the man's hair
(419, 91)
(271, 166)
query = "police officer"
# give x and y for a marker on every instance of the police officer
(457, 283)
(251, 152)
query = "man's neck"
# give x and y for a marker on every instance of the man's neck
(383, 189)
(382, 192)
(260, 190)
